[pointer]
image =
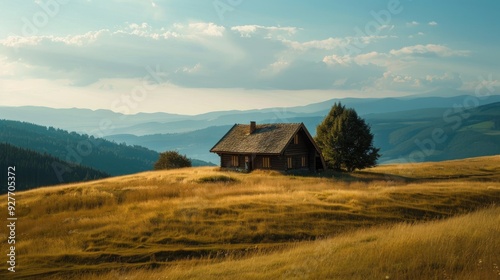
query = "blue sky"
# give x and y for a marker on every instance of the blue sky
(191, 57)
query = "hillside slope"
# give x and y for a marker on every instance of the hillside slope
(34, 169)
(403, 251)
(438, 134)
(164, 218)
(78, 149)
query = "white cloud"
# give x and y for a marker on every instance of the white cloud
(393, 56)
(345, 44)
(432, 23)
(326, 44)
(207, 55)
(429, 49)
(190, 70)
(275, 68)
(372, 58)
(245, 30)
(401, 82)
(407, 82)
(196, 54)
(126, 52)
(85, 39)
(396, 65)
(18, 41)
(448, 80)
(143, 29)
(269, 31)
(375, 58)
(412, 23)
(337, 60)
(209, 29)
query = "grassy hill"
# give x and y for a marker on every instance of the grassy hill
(425, 221)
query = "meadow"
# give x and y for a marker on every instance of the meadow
(409, 221)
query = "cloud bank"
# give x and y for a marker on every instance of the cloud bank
(208, 55)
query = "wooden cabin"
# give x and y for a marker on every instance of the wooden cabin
(279, 146)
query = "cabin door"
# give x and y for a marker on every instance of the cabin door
(248, 164)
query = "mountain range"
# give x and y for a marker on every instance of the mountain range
(105, 123)
(402, 136)
(406, 129)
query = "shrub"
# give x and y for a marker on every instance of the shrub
(217, 179)
(172, 160)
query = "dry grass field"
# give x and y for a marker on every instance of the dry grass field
(410, 221)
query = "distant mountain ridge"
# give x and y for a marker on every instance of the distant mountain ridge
(399, 125)
(474, 132)
(104, 122)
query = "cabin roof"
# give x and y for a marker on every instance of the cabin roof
(266, 139)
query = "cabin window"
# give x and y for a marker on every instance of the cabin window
(304, 161)
(289, 163)
(296, 139)
(266, 162)
(234, 161)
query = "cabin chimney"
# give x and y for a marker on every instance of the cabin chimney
(253, 126)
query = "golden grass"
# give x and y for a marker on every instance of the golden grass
(464, 247)
(480, 168)
(187, 217)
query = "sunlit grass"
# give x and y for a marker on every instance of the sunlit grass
(464, 247)
(185, 217)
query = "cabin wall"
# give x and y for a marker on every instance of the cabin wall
(312, 160)
(277, 162)
(303, 149)
(256, 162)
(226, 161)
(298, 149)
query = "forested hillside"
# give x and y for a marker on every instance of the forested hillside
(33, 169)
(438, 134)
(112, 158)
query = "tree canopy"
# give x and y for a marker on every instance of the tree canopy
(35, 169)
(172, 160)
(98, 153)
(346, 140)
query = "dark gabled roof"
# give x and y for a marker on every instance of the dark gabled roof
(266, 139)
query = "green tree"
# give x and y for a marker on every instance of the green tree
(172, 160)
(345, 140)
